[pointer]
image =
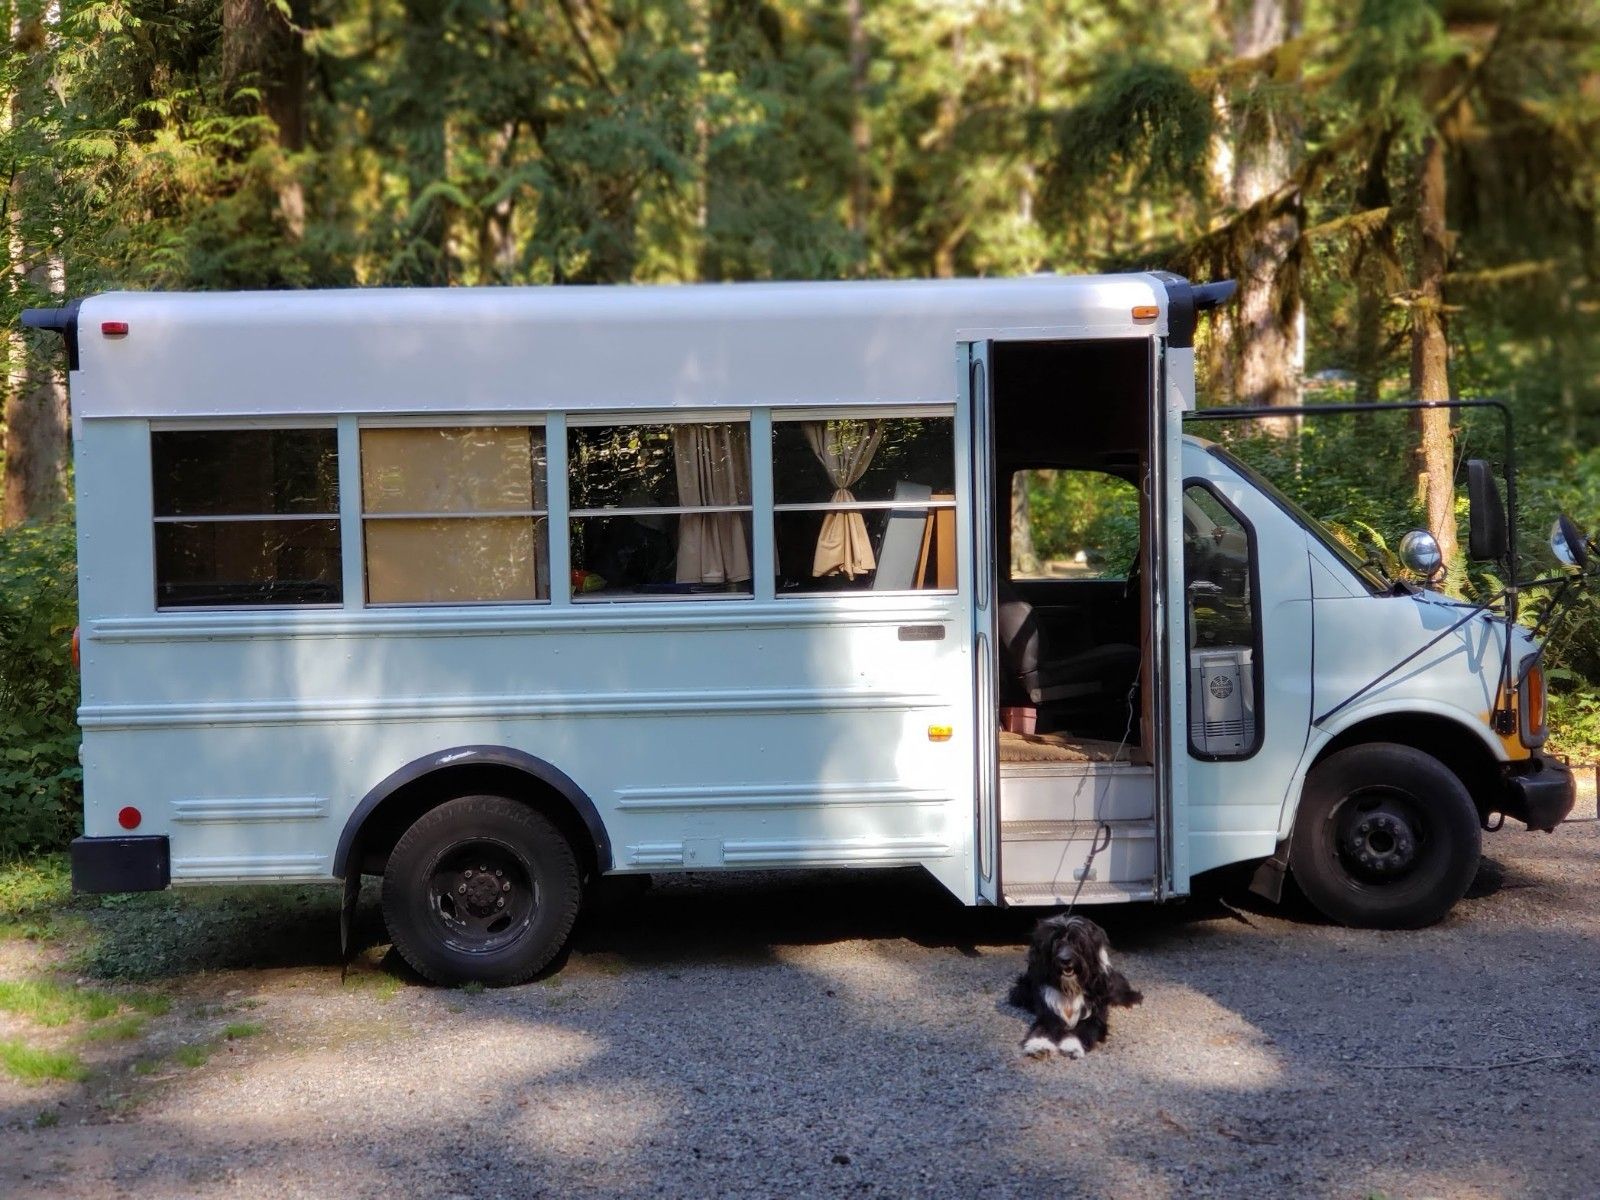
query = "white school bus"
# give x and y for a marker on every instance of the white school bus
(495, 592)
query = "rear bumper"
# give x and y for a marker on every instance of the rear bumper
(120, 864)
(1539, 792)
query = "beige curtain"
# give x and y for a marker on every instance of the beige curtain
(713, 464)
(845, 450)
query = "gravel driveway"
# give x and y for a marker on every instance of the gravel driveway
(844, 1034)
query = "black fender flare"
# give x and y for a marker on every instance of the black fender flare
(497, 756)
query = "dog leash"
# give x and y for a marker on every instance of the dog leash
(1102, 833)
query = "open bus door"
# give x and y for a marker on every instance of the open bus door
(1059, 816)
(1172, 395)
(976, 404)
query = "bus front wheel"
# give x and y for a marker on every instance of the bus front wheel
(481, 889)
(1387, 837)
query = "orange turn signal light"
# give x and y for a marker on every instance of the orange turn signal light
(940, 733)
(1146, 312)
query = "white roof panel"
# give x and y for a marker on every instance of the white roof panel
(484, 350)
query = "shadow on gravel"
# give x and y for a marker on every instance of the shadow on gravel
(1272, 1055)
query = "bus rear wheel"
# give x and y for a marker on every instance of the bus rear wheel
(481, 889)
(1387, 837)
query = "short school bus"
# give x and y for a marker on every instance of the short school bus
(495, 592)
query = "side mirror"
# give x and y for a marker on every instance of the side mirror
(1486, 538)
(1566, 541)
(1419, 550)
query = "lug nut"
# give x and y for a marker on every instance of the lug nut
(469, 872)
(506, 886)
(498, 873)
(461, 888)
(500, 903)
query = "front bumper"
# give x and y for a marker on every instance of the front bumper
(120, 864)
(1539, 792)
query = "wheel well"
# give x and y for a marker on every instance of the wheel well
(375, 837)
(1454, 745)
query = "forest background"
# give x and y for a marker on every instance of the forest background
(1405, 189)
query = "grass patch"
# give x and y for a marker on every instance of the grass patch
(242, 1029)
(385, 985)
(32, 1065)
(46, 1119)
(193, 1056)
(472, 988)
(151, 1004)
(34, 887)
(123, 1029)
(51, 1003)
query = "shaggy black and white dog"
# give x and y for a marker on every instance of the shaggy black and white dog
(1070, 987)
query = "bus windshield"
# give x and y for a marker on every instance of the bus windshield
(1374, 581)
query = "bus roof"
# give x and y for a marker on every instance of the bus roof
(487, 350)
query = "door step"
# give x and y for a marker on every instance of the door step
(1048, 858)
(1052, 895)
(1073, 831)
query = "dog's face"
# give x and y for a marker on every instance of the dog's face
(1069, 953)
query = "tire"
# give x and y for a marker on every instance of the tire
(481, 889)
(1387, 837)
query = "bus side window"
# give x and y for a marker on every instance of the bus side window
(455, 514)
(659, 511)
(246, 517)
(864, 504)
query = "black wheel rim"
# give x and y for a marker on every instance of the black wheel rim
(1381, 836)
(482, 895)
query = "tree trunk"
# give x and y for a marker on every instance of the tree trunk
(1377, 272)
(1265, 326)
(1024, 558)
(427, 260)
(860, 130)
(497, 244)
(1430, 351)
(36, 418)
(263, 48)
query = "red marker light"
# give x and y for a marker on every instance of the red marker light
(114, 328)
(77, 653)
(130, 817)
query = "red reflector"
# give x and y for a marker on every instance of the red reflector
(114, 328)
(77, 656)
(130, 817)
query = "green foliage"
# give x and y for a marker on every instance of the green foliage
(1087, 513)
(40, 779)
(32, 888)
(491, 142)
(1575, 721)
(1145, 124)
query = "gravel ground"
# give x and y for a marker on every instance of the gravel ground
(845, 1034)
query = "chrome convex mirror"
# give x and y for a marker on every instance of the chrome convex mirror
(1566, 542)
(1420, 552)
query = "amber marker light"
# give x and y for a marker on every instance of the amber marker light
(1145, 312)
(940, 733)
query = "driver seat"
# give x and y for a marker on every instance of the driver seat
(1084, 678)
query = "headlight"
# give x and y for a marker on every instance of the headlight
(1530, 702)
